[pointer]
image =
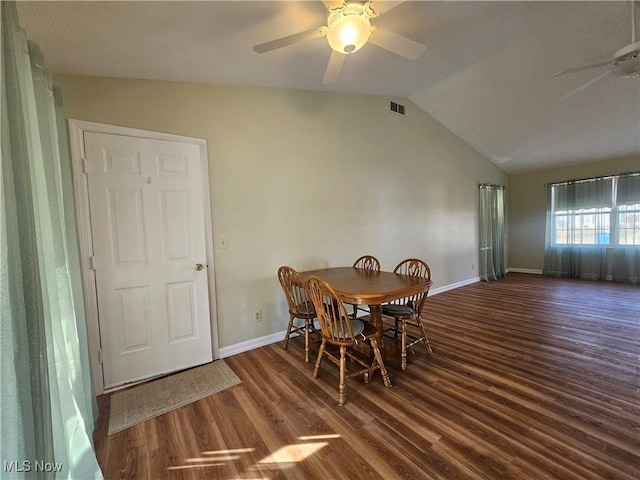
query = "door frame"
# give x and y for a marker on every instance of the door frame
(77, 129)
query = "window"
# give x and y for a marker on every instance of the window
(582, 227)
(599, 212)
(629, 224)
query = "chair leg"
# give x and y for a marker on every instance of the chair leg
(319, 360)
(425, 339)
(378, 355)
(403, 350)
(286, 337)
(343, 369)
(306, 339)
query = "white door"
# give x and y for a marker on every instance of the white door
(146, 210)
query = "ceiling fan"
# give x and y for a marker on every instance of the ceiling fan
(348, 29)
(625, 62)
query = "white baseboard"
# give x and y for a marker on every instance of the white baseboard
(453, 286)
(251, 344)
(533, 271)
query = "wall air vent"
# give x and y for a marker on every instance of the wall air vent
(396, 108)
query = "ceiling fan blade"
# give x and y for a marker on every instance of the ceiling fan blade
(583, 67)
(586, 85)
(397, 44)
(334, 67)
(382, 6)
(290, 40)
(332, 4)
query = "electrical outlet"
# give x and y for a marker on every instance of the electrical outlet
(257, 315)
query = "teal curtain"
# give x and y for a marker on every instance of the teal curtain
(593, 229)
(572, 258)
(626, 255)
(492, 232)
(47, 406)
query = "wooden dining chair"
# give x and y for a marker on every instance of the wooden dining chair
(338, 329)
(300, 306)
(408, 310)
(369, 263)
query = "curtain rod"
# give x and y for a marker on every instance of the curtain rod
(490, 185)
(591, 179)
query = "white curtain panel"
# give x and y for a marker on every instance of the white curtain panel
(47, 414)
(492, 232)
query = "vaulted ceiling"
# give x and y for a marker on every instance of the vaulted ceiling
(487, 73)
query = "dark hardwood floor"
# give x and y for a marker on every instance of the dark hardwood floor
(531, 377)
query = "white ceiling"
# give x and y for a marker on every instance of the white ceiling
(487, 73)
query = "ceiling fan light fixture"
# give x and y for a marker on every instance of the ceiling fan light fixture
(629, 69)
(349, 33)
(627, 61)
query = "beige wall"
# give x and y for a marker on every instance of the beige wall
(528, 206)
(307, 179)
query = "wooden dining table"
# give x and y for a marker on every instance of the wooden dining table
(365, 287)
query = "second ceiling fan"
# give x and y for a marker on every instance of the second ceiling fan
(625, 61)
(348, 29)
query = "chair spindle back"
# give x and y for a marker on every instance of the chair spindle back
(416, 268)
(367, 262)
(335, 323)
(295, 291)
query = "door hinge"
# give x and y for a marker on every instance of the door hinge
(92, 262)
(100, 356)
(85, 169)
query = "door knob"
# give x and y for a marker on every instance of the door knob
(199, 266)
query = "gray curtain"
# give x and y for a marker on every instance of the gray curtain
(626, 255)
(611, 246)
(568, 257)
(492, 229)
(47, 413)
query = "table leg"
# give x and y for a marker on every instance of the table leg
(375, 312)
(375, 317)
